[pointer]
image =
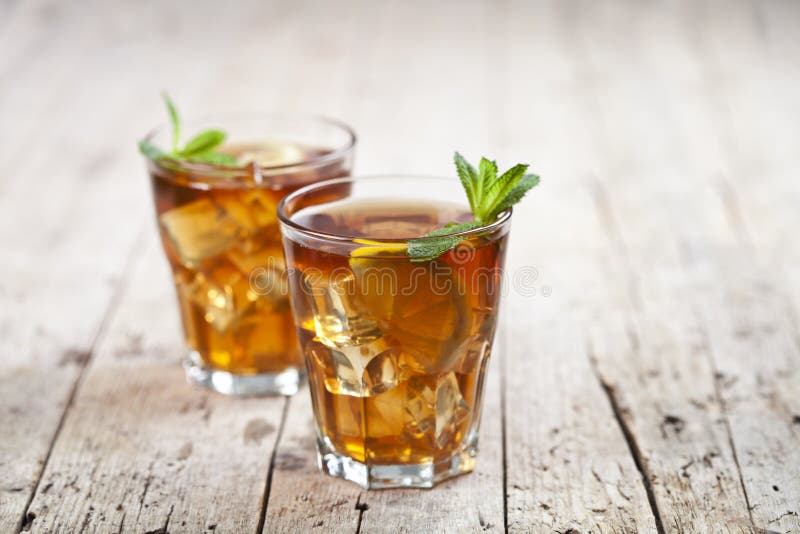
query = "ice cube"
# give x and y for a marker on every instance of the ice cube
(451, 409)
(356, 370)
(270, 257)
(386, 413)
(338, 319)
(266, 272)
(434, 408)
(222, 292)
(420, 415)
(380, 373)
(477, 348)
(252, 210)
(199, 230)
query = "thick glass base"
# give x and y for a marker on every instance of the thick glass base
(383, 476)
(284, 383)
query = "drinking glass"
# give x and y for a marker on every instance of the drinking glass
(396, 345)
(220, 233)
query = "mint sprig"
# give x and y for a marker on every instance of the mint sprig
(489, 195)
(199, 149)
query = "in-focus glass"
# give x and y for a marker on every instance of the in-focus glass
(220, 232)
(396, 348)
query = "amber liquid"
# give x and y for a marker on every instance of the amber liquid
(221, 237)
(396, 350)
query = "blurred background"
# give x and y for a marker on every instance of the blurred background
(665, 132)
(660, 99)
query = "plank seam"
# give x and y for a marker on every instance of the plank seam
(361, 507)
(120, 287)
(724, 409)
(736, 220)
(630, 439)
(609, 223)
(503, 437)
(270, 470)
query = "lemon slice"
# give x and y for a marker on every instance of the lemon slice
(373, 249)
(271, 154)
(421, 305)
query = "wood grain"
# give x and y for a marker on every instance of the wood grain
(301, 499)
(68, 239)
(649, 384)
(60, 271)
(653, 357)
(141, 450)
(568, 463)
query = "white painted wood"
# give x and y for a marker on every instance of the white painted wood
(301, 499)
(568, 463)
(758, 339)
(665, 228)
(653, 356)
(78, 197)
(140, 449)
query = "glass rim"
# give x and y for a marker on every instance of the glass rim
(501, 220)
(210, 168)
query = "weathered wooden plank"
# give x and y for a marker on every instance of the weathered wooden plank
(748, 336)
(52, 308)
(568, 463)
(757, 337)
(663, 114)
(140, 449)
(652, 357)
(301, 499)
(67, 237)
(659, 369)
(43, 356)
(719, 272)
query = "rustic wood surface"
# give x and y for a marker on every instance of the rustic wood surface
(650, 382)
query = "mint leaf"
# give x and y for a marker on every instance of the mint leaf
(528, 182)
(175, 120)
(498, 190)
(202, 142)
(435, 243)
(488, 197)
(214, 158)
(487, 173)
(199, 149)
(468, 176)
(150, 150)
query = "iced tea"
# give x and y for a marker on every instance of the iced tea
(396, 350)
(220, 232)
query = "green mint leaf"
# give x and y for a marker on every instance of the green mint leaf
(487, 173)
(175, 120)
(498, 190)
(214, 158)
(528, 182)
(435, 243)
(150, 150)
(202, 142)
(488, 196)
(469, 178)
(199, 149)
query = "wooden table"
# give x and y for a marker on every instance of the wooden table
(647, 372)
